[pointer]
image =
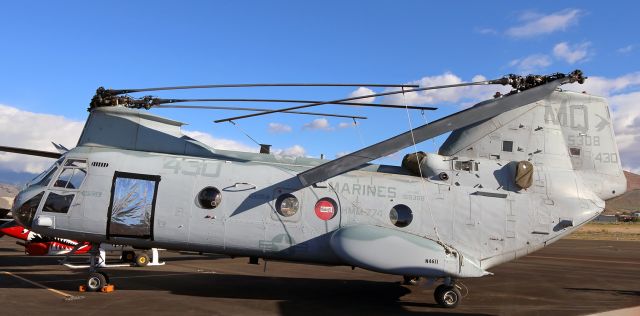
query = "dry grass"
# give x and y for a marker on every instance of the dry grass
(607, 231)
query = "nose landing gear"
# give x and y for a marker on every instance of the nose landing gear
(97, 281)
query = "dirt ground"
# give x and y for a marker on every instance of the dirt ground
(608, 231)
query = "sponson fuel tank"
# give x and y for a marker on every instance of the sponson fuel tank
(391, 251)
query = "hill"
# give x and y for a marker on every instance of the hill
(630, 200)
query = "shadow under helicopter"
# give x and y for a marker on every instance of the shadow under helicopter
(294, 296)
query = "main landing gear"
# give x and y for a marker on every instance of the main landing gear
(99, 280)
(448, 294)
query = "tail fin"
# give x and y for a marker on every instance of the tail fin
(565, 131)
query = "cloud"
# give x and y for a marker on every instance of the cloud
(31, 130)
(531, 63)
(219, 143)
(362, 91)
(486, 31)
(626, 124)
(469, 93)
(293, 151)
(536, 24)
(627, 49)
(602, 86)
(342, 153)
(346, 125)
(318, 124)
(279, 128)
(571, 53)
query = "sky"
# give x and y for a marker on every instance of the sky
(53, 56)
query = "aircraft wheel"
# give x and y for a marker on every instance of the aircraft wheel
(128, 256)
(96, 281)
(142, 260)
(410, 280)
(105, 275)
(447, 296)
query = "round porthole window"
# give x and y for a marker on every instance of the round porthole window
(401, 215)
(287, 205)
(209, 198)
(326, 209)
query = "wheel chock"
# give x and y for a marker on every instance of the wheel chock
(106, 289)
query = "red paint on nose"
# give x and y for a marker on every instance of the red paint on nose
(37, 248)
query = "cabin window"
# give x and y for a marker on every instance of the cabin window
(133, 198)
(209, 198)
(287, 205)
(401, 215)
(574, 151)
(507, 146)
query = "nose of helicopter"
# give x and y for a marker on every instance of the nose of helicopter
(25, 206)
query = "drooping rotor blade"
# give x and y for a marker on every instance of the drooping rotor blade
(486, 82)
(204, 107)
(481, 111)
(31, 152)
(394, 106)
(251, 85)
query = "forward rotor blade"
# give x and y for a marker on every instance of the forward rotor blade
(395, 106)
(481, 111)
(364, 97)
(250, 85)
(204, 107)
(31, 152)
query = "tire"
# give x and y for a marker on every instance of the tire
(95, 282)
(447, 296)
(106, 276)
(142, 260)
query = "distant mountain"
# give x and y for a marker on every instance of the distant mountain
(8, 190)
(630, 200)
(15, 178)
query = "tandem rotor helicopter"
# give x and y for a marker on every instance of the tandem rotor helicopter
(517, 172)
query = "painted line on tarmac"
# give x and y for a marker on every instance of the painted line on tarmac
(587, 260)
(134, 276)
(65, 295)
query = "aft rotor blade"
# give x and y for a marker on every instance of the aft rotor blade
(31, 152)
(479, 112)
(204, 107)
(251, 85)
(363, 97)
(394, 106)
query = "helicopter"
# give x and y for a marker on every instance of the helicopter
(516, 173)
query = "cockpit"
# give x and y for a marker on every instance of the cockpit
(57, 194)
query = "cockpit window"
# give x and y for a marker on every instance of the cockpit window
(72, 175)
(76, 163)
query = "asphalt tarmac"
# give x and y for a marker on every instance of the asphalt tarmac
(570, 277)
